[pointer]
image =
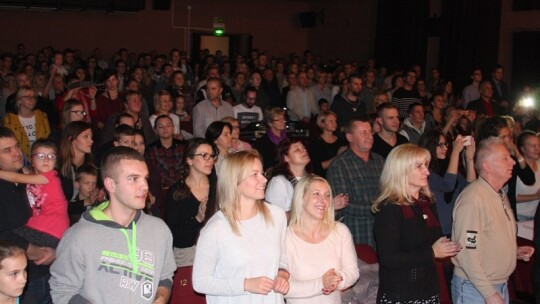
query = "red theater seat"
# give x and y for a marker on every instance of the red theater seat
(182, 291)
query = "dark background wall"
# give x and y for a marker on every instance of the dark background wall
(348, 31)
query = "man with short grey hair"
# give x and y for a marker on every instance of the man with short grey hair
(483, 225)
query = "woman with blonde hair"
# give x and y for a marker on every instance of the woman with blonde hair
(240, 256)
(318, 278)
(327, 146)
(163, 104)
(28, 123)
(407, 231)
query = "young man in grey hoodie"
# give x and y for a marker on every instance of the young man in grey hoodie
(116, 253)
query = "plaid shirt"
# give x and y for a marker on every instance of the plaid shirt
(166, 161)
(360, 180)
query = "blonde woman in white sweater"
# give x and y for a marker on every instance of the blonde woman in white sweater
(320, 252)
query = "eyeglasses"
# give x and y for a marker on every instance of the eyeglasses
(206, 156)
(42, 156)
(442, 145)
(82, 113)
(29, 97)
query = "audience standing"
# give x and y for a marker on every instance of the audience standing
(318, 278)
(388, 137)
(356, 173)
(407, 231)
(484, 224)
(241, 255)
(192, 200)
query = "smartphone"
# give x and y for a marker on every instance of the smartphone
(467, 141)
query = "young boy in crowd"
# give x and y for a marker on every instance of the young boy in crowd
(89, 194)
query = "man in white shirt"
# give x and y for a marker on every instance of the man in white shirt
(300, 101)
(247, 111)
(472, 92)
(210, 109)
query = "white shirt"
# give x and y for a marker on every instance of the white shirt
(301, 103)
(528, 209)
(279, 191)
(247, 115)
(223, 259)
(29, 125)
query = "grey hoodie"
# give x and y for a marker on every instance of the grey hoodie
(100, 261)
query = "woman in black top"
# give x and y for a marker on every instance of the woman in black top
(327, 146)
(407, 231)
(275, 133)
(191, 201)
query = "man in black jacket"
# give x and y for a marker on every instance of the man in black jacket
(15, 213)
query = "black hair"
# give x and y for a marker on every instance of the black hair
(6, 132)
(490, 127)
(9, 249)
(85, 169)
(123, 130)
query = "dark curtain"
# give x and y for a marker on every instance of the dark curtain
(401, 35)
(525, 60)
(469, 38)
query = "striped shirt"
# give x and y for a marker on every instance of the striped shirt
(403, 99)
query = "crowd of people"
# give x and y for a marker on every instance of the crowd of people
(254, 164)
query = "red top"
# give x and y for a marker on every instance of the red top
(49, 206)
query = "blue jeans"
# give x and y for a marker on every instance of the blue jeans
(464, 292)
(37, 291)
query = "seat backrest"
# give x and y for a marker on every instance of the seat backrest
(366, 253)
(182, 291)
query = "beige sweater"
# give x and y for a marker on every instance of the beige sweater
(308, 262)
(486, 230)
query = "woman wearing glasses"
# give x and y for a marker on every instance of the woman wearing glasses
(240, 255)
(84, 95)
(29, 124)
(73, 111)
(191, 201)
(49, 218)
(445, 180)
(275, 133)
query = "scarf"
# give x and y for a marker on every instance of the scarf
(275, 139)
(423, 203)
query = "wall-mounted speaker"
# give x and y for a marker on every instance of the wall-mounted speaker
(161, 5)
(307, 19)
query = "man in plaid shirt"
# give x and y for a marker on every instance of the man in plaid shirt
(356, 172)
(164, 158)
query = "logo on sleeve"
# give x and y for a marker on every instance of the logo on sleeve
(471, 239)
(147, 290)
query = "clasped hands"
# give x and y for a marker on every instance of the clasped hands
(331, 280)
(263, 285)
